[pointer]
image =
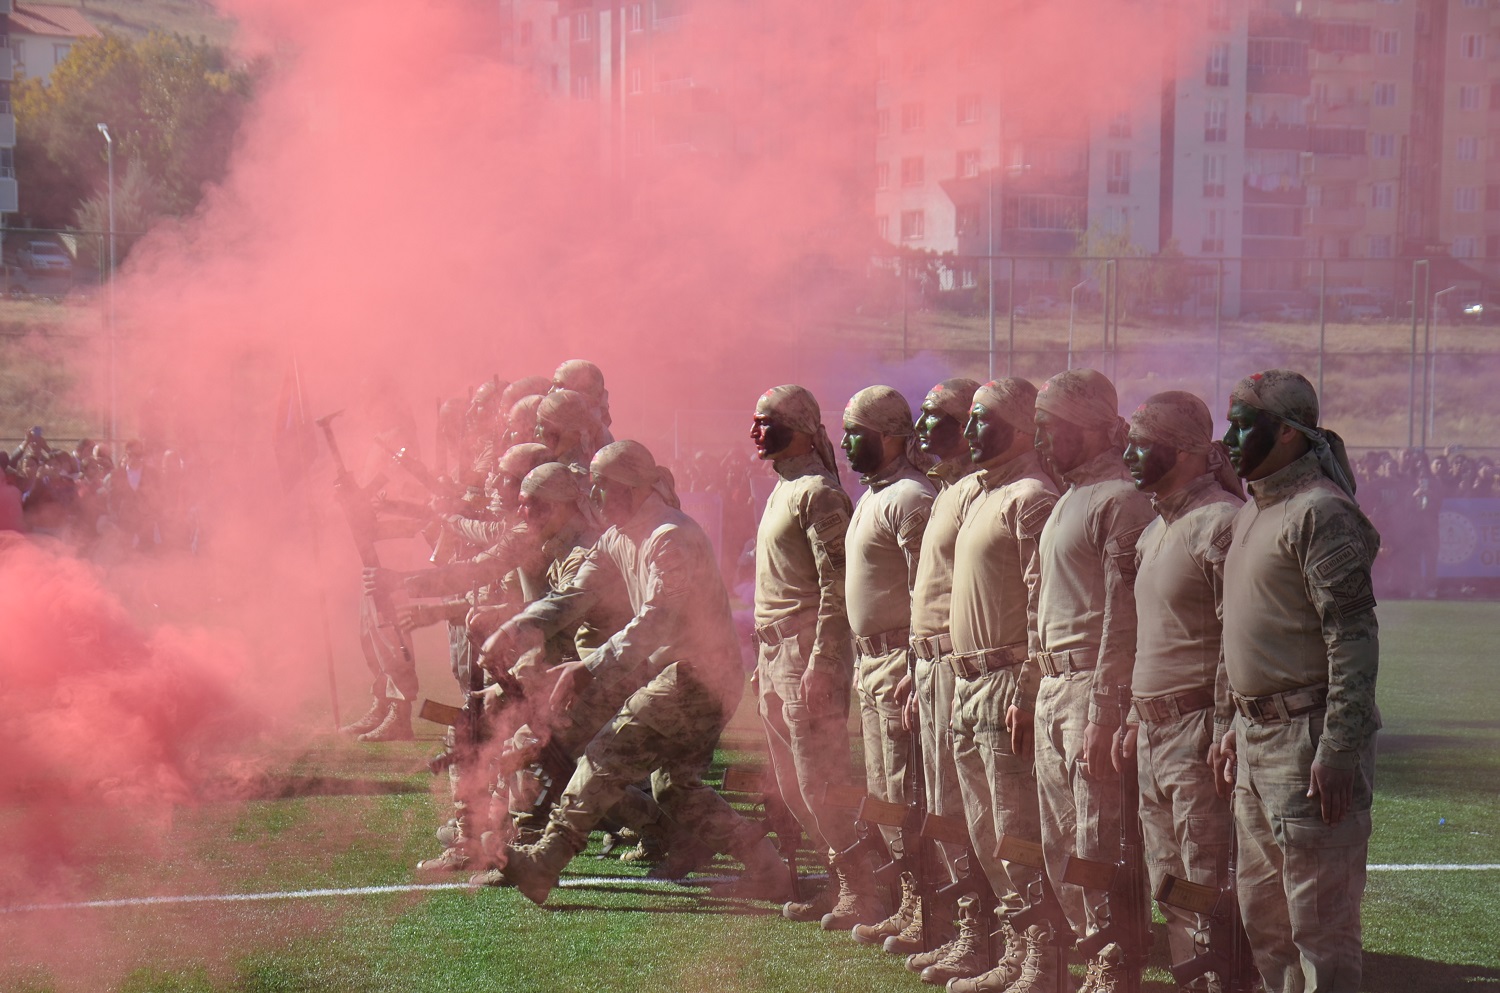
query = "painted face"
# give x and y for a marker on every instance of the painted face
(535, 512)
(508, 489)
(1060, 442)
(547, 435)
(988, 434)
(1250, 438)
(769, 435)
(612, 497)
(1148, 461)
(862, 447)
(939, 434)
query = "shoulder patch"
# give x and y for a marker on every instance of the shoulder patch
(1125, 540)
(912, 528)
(1335, 562)
(831, 525)
(1221, 540)
(1034, 518)
(1353, 594)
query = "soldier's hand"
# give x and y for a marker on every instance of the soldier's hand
(379, 581)
(572, 677)
(906, 702)
(1019, 723)
(1221, 759)
(1122, 754)
(512, 640)
(818, 688)
(1335, 788)
(1098, 746)
(482, 621)
(413, 615)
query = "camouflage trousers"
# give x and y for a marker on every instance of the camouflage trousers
(887, 746)
(1080, 816)
(392, 674)
(998, 786)
(1185, 824)
(1300, 880)
(933, 686)
(807, 750)
(669, 729)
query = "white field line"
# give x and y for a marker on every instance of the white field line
(156, 901)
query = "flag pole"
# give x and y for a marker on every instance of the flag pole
(312, 527)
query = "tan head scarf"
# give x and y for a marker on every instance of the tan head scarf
(1013, 400)
(630, 462)
(567, 410)
(884, 410)
(519, 460)
(1288, 396)
(795, 407)
(1180, 420)
(954, 397)
(1086, 398)
(584, 377)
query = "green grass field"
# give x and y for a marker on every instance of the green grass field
(342, 815)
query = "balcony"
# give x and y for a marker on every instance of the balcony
(1355, 114)
(7, 60)
(9, 199)
(1347, 218)
(7, 129)
(1336, 168)
(1286, 190)
(1277, 79)
(1290, 137)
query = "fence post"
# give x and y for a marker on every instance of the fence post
(1322, 318)
(1425, 266)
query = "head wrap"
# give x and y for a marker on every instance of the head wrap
(796, 408)
(524, 387)
(567, 410)
(630, 462)
(885, 411)
(552, 482)
(1013, 400)
(1289, 397)
(519, 460)
(954, 397)
(1182, 421)
(1084, 398)
(582, 376)
(522, 418)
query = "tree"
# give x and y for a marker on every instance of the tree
(172, 105)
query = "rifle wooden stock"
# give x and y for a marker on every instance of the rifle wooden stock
(1195, 898)
(440, 713)
(941, 827)
(1090, 874)
(743, 779)
(1022, 851)
(845, 797)
(882, 812)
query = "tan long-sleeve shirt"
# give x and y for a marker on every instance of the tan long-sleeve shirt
(885, 542)
(1299, 609)
(932, 593)
(1087, 604)
(800, 559)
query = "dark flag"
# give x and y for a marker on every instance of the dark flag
(295, 443)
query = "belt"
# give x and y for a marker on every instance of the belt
(972, 665)
(932, 648)
(1279, 708)
(1157, 709)
(1073, 660)
(778, 631)
(885, 641)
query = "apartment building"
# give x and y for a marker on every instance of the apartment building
(9, 195)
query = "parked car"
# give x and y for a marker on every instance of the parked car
(44, 256)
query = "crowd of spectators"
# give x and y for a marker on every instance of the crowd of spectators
(83, 496)
(1403, 495)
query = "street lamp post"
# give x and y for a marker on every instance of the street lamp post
(109, 151)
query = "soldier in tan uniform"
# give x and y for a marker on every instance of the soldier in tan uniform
(1185, 823)
(884, 541)
(995, 587)
(929, 695)
(568, 424)
(680, 644)
(804, 670)
(1301, 650)
(582, 376)
(1087, 625)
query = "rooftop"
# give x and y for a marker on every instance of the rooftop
(51, 20)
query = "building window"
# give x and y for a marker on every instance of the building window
(581, 26)
(1468, 97)
(1380, 246)
(1466, 199)
(1218, 15)
(60, 53)
(1214, 167)
(1117, 172)
(883, 227)
(1467, 148)
(1383, 94)
(1383, 196)
(966, 219)
(968, 163)
(913, 225)
(1215, 113)
(1465, 247)
(1213, 231)
(968, 108)
(583, 87)
(912, 117)
(636, 86)
(1218, 64)
(912, 171)
(1492, 197)
(1383, 146)
(1119, 125)
(637, 20)
(1387, 43)
(882, 123)
(1472, 46)
(1048, 213)
(967, 279)
(882, 175)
